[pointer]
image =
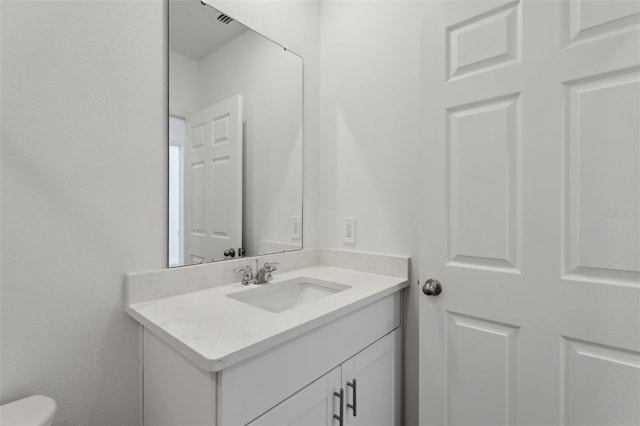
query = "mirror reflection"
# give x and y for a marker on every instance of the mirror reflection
(235, 139)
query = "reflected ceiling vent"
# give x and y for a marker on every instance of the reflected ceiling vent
(225, 19)
(222, 18)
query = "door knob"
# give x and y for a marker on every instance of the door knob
(432, 287)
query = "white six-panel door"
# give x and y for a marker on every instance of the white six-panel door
(530, 198)
(213, 181)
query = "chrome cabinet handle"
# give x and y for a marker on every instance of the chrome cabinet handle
(340, 417)
(432, 287)
(353, 385)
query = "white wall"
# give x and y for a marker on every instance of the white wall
(84, 194)
(84, 149)
(83, 198)
(370, 126)
(184, 80)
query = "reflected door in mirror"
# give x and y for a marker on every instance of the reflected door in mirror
(213, 195)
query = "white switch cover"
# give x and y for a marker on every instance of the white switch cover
(349, 231)
(296, 225)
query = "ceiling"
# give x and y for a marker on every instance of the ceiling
(194, 29)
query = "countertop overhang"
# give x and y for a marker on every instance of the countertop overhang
(214, 331)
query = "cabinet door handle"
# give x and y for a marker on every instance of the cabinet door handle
(353, 385)
(340, 417)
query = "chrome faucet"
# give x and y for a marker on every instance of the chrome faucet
(247, 276)
(263, 275)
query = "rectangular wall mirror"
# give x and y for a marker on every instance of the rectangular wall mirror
(235, 139)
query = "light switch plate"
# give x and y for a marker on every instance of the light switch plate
(296, 225)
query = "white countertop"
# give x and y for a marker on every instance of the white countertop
(215, 331)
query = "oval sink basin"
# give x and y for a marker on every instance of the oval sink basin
(289, 294)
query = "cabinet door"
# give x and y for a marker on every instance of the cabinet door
(313, 405)
(376, 370)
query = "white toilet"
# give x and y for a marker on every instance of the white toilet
(37, 410)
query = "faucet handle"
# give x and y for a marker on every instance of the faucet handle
(268, 268)
(271, 266)
(247, 276)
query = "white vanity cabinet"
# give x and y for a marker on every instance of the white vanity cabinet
(313, 405)
(366, 385)
(375, 374)
(292, 383)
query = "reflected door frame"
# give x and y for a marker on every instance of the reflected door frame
(176, 175)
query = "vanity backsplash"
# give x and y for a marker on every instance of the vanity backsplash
(151, 285)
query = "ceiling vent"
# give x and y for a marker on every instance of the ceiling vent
(225, 19)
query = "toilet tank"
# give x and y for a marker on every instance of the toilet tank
(36, 410)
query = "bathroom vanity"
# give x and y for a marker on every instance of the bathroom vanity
(320, 344)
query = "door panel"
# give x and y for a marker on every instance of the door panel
(482, 141)
(530, 202)
(588, 18)
(487, 40)
(602, 172)
(481, 371)
(590, 367)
